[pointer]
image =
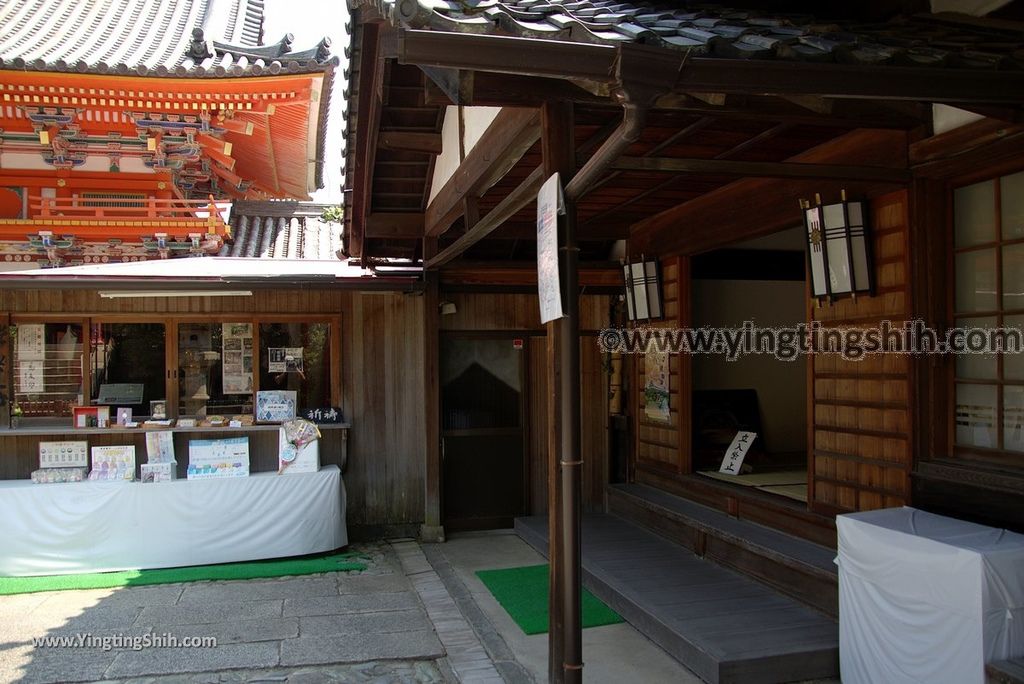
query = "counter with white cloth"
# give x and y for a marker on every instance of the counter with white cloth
(926, 598)
(50, 529)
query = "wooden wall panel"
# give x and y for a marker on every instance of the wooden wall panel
(664, 447)
(514, 311)
(384, 390)
(861, 410)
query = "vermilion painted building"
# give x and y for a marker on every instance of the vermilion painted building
(115, 140)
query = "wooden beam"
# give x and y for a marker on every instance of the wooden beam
(394, 225)
(506, 140)
(406, 141)
(368, 86)
(721, 167)
(432, 530)
(511, 90)
(754, 207)
(525, 193)
(580, 61)
(448, 81)
(960, 140)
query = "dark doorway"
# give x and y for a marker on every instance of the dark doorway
(482, 432)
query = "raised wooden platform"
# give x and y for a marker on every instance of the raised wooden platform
(797, 567)
(723, 626)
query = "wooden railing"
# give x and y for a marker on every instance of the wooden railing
(189, 213)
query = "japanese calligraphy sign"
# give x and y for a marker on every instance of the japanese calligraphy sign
(736, 452)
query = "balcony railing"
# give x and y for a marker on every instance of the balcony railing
(127, 218)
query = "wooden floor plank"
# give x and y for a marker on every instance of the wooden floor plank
(722, 625)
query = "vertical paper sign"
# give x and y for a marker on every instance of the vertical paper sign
(737, 451)
(656, 392)
(549, 206)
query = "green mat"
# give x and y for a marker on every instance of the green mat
(523, 593)
(305, 565)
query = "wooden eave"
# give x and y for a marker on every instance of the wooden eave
(269, 117)
(760, 117)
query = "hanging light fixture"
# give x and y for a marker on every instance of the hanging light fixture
(838, 248)
(643, 290)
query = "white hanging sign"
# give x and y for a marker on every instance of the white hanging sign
(549, 205)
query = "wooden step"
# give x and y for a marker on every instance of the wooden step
(721, 625)
(794, 566)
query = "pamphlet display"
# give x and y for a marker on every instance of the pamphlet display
(237, 355)
(160, 446)
(90, 416)
(63, 455)
(159, 472)
(113, 463)
(275, 406)
(298, 448)
(216, 458)
(58, 475)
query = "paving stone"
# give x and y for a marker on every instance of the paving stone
(53, 665)
(177, 660)
(362, 584)
(238, 631)
(157, 595)
(211, 612)
(234, 592)
(360, 647)
(90, 619)
(375, 623)
(350, 603)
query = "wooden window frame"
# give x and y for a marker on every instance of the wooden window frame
(170, 323)
(998, 455)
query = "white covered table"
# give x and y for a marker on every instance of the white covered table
(48, 529)
(926, 598)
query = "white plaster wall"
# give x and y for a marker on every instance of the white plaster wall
(477, 119)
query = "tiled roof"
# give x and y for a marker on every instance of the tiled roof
(717, 31)
(196, 38)
(282, 230)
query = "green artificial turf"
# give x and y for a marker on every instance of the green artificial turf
(523, 593)
(306, 565)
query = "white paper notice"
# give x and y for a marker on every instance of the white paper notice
(737, 451)
(549, 206)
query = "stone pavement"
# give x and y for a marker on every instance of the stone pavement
(274, 630)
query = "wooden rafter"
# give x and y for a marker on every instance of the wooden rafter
(718, 167)
(772, 201)
(394, 225)
(517, 199)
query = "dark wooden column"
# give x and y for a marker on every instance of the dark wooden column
(432, 530)
(564, 636)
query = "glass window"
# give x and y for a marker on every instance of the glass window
(215, 369)
(974, 208)
(297, 356)
(47, 368)
(127, 365)
(988, 237)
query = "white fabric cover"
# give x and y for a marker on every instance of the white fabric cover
(78, 527)
(925, 598)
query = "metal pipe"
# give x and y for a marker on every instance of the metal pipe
(628, 132)
(571, 460)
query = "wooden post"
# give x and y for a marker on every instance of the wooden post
(432, 529)
(564, 635)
